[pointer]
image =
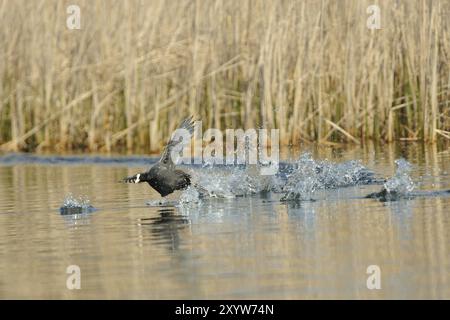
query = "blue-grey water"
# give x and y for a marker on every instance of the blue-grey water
(236, 243)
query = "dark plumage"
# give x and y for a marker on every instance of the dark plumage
(163, 177)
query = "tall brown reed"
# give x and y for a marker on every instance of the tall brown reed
(310, 68)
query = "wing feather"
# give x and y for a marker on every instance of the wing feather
(166, 159)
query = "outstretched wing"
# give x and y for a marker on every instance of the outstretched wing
(166, 159)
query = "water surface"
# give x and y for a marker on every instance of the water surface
(249, 247)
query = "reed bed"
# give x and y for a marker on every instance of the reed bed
(310, 68)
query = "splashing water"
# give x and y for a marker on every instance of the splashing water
(158, 202)
(309, 175)
(230, 182)
(72, 205)
(297, 181)
(190, 195)
(400, 186)
(401, 183)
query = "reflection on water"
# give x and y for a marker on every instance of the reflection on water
(247, 247)
(165, 227)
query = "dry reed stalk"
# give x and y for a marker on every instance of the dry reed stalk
(137, 67)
